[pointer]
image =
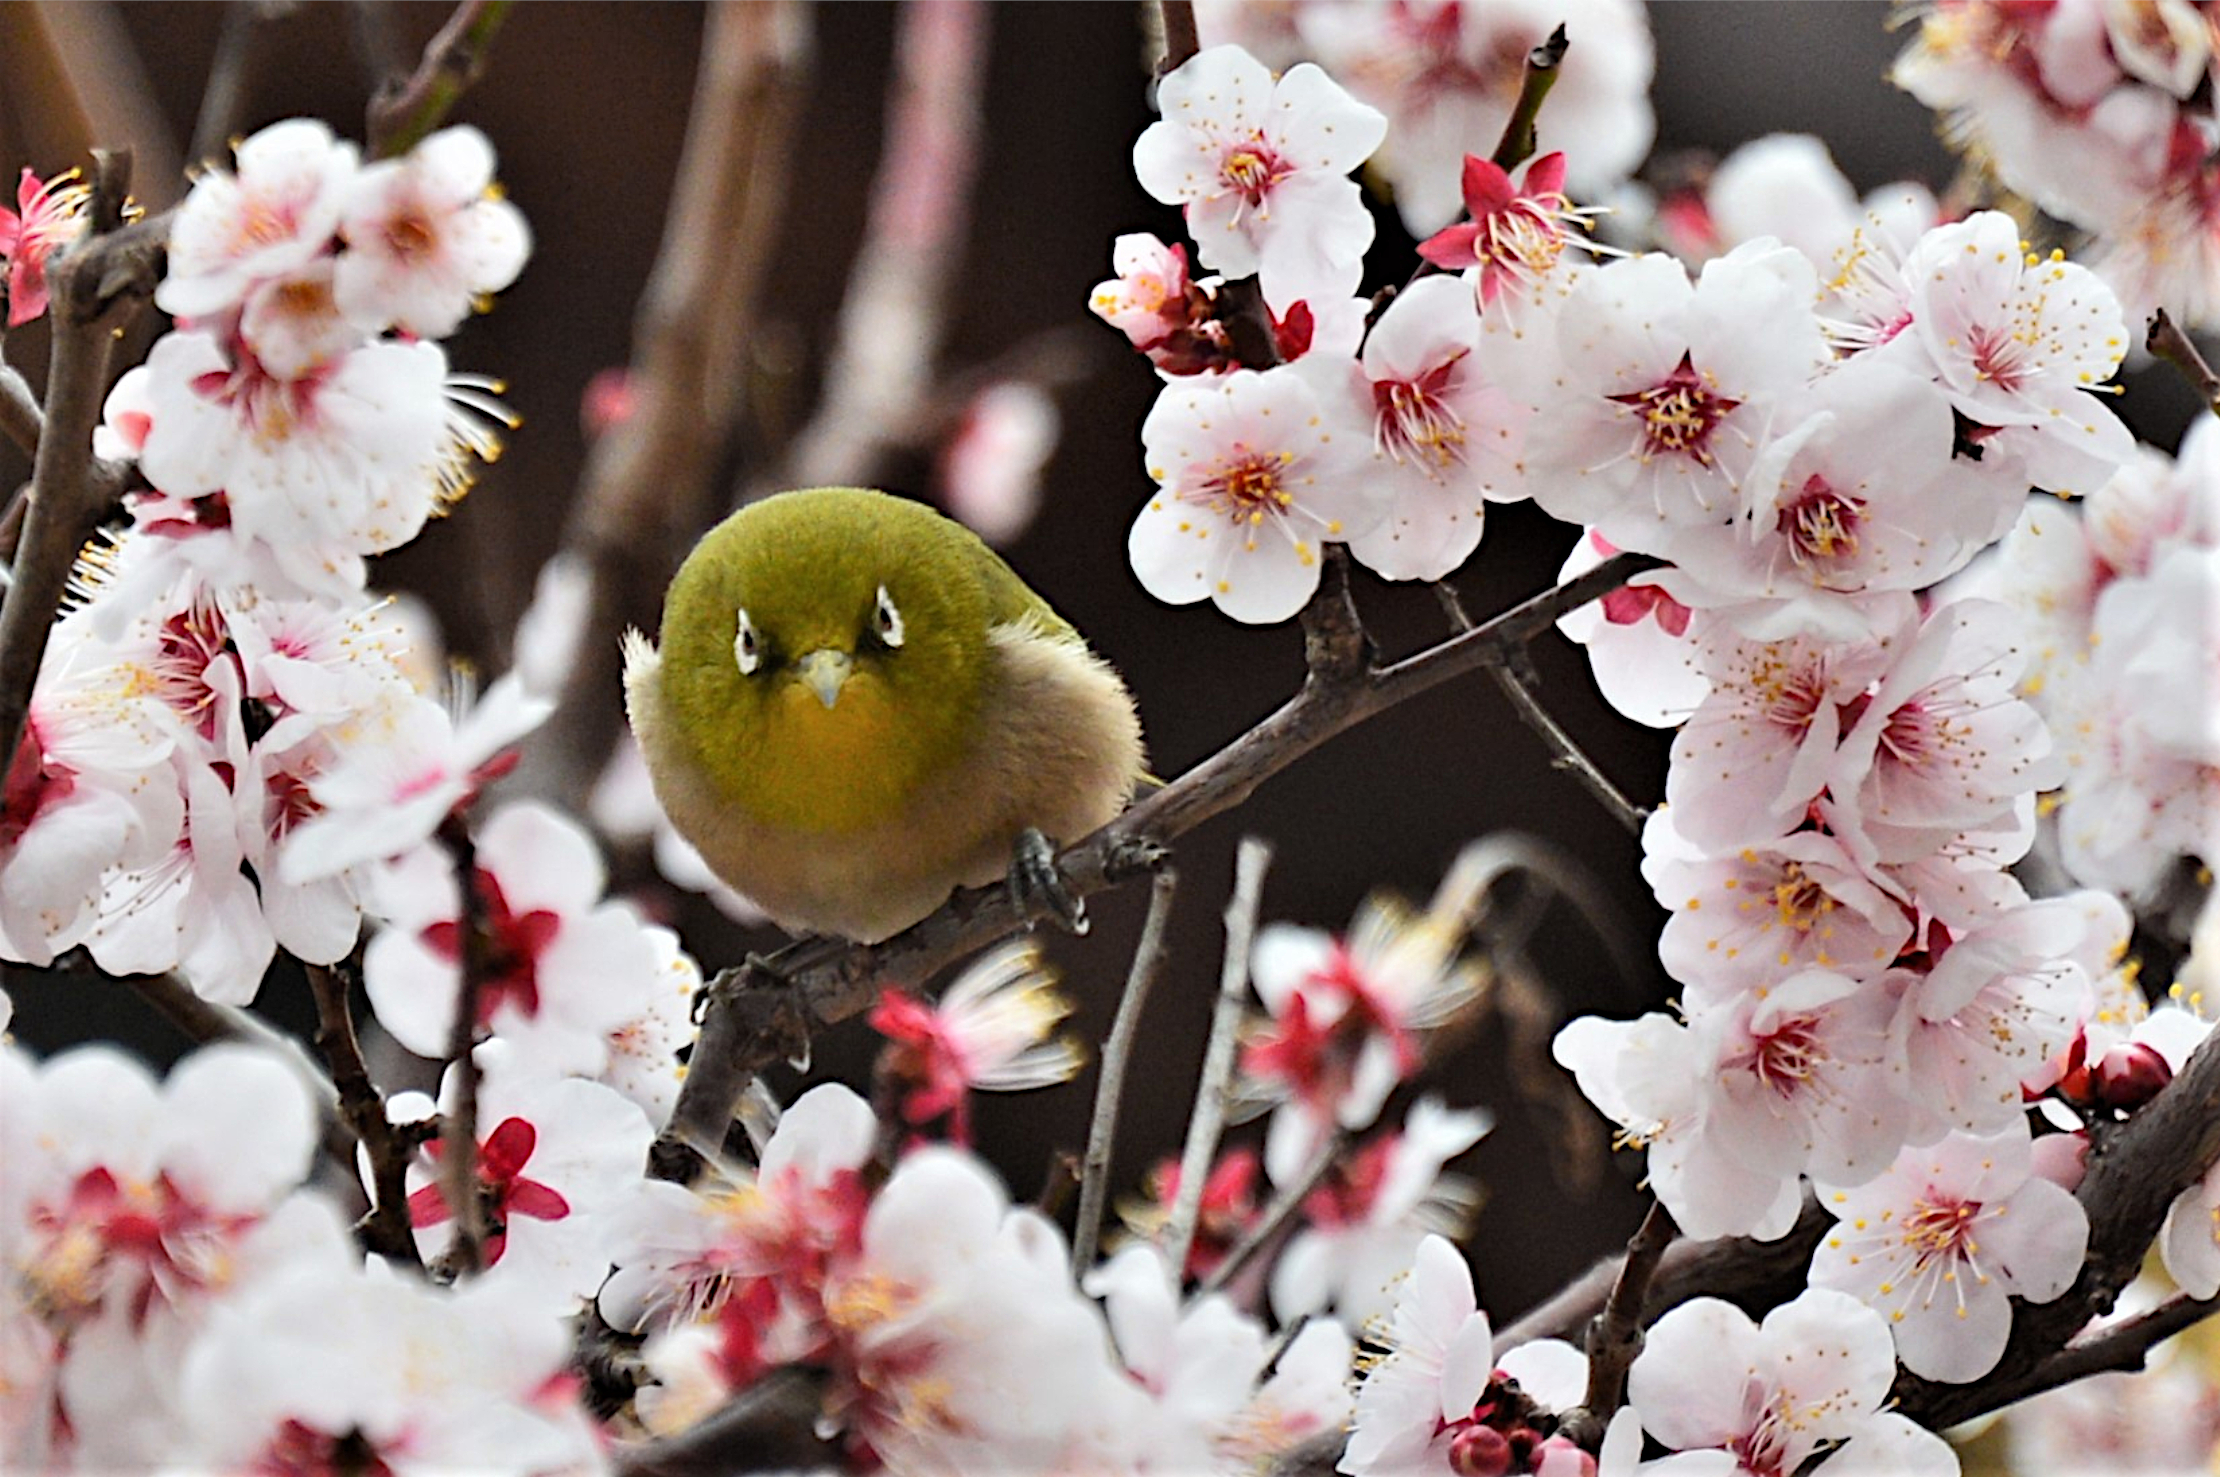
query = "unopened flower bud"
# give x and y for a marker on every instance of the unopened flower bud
(1480, 1451)
(2131, 1074)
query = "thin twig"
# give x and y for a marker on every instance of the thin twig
(458, 1138)
(223, 101)
(1617, 1334)
(893, 314)
(1535, 81)
(1208, 1120)
(385, 1230)
(1517, 680)
(61, 508)
(2124, 1346)
(1281, 1212)
(2166, 341)
(1117, 1055)
(1342, 691)
(648, 487)
(454, 59)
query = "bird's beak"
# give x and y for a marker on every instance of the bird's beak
(823, 671)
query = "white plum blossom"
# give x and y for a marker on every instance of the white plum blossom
(270, 218)
(339, 1369)
(1448, 76)
(1663, 391)
(1260, 166)
(556, 1158)
(2018, 343)
(1638, 643)
(1758, 750)
(427, 237)
(2189, 1242)
(1859, 496)
(567, 969)
(291, 326)
(1253, 478)
(1768, 1397)
(1444, 440)
(1365, 1222)
(1941, 1242)
(1438, 1401)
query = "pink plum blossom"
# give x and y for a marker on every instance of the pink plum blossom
(47, 214)
(1515, 239)
(1943, 1239)
(1637, 639)
(1260, 167)
(991, 1030)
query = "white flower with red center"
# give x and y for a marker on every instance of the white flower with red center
(1438, 1401)
(2189, 1241)
(958, 1340)
(1346, 1018)
(1307, 1394)
(2166, 253)
(564, 969)
(1944, 1239)
(762, 1242)
(1193, 1368)
(428, 236)
(1757, 750)
(46, 215)
(990, 1031)
(1769, 1397)
(417, 764)
(647, 1052)
(343, 1370)
(1448, 76)
(135, 1202)
(1444, 440)
(89, 789)
(1662, 390)
(1260, 167)
(1941, 748)
(1514, 241)
(2018, 344)
(1645, 1077)
(269, 219)
(1153, 297)
(1861, 497)
(1990, 1010)
(1370, 1213)
(556, 1159)
(292, 325)
(1253, 478)
(351, 453)
(1741, 921)
(1637, 642)
(1798, 1078)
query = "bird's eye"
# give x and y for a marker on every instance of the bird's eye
(887, 620)
(747, 647)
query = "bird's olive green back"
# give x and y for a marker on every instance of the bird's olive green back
(807, 567)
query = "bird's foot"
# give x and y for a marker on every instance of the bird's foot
(1037, 885)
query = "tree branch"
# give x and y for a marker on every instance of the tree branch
(20, 416)
(406, 109)
(2166, 341)
(386, 1229)
(1208, 1119)
(61, 509)
(1176, 22)
(1280, 1213)
(647, 490)
(768, 1427)
(1117, 1054)
(844, 981)
(458, 1137)
(1616, 1337)
(1535, 81)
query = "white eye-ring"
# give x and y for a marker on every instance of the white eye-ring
(747, 649)
(888, 619)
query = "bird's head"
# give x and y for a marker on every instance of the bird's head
(825, 651)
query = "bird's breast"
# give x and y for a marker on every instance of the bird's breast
(844, 768)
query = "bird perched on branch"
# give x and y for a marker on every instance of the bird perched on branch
(857, 707)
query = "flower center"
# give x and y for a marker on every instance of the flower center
(1679, 413)
(1941, 1230)
(1798, 901)
(1788, 1058)
(409, 237)
(1247, 488)
(1412, 420)
(1821, 523)
(1251, 168)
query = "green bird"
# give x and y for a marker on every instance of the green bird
(857, 707)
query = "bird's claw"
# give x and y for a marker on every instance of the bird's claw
(1037, 886)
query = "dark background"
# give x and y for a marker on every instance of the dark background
(586, 105)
